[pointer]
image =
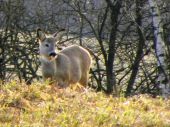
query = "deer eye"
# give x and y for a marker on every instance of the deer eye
(47, 45)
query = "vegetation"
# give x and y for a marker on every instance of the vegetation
(130, 45)
(40, 105)
(119, 33)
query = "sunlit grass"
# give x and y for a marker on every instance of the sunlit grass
(39, 105)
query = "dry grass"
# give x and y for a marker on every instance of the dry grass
(39, 105)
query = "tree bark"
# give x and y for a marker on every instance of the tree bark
(139, 52)
(163, 78)
(115, 10)
(2, 65)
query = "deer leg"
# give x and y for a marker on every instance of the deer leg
(63, 84)
(84, 79)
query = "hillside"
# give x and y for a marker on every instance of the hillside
(39, 105)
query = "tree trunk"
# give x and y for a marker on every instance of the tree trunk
(139, 52)
(115, 10)
(2, 66)
(163, 79)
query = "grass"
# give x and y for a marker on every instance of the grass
(39, 105)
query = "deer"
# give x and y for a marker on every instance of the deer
(68, 66)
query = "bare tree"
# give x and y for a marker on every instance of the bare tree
(163, 78)
(141, 44)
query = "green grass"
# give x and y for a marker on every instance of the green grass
(39, 105)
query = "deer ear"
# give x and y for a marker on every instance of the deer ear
(40, 35)
(58, 35)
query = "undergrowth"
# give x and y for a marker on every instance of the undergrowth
(40, 105)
